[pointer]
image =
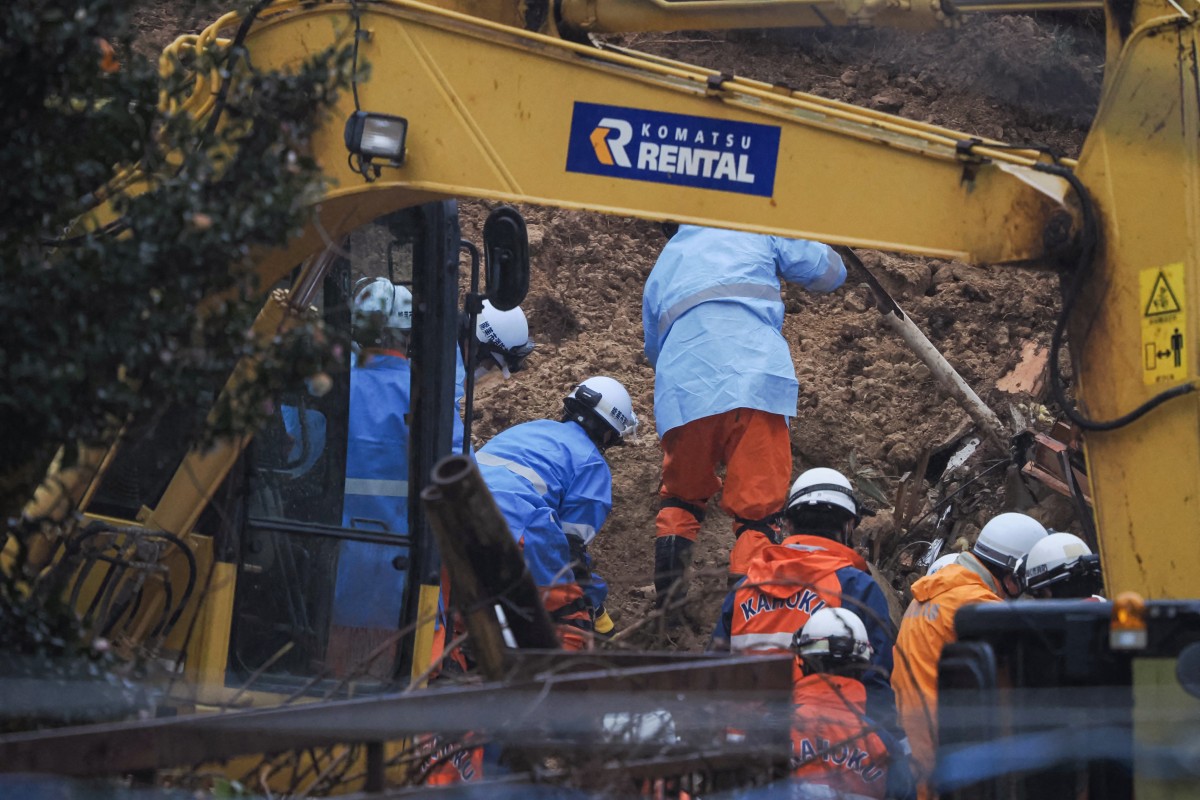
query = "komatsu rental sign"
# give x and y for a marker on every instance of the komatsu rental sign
(673, 148)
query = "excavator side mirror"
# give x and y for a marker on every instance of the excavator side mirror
(506, 257)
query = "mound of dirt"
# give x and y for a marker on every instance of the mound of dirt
(867, 406)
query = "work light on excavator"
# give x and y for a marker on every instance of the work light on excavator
(375, 136)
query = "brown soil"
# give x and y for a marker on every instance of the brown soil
(867, 407)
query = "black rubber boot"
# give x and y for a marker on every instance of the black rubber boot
(672, 555)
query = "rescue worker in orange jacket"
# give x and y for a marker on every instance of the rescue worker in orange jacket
(984, 575)
(812, 569)
(837, 750)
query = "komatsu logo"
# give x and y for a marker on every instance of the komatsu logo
(673, 148)
(612, 151)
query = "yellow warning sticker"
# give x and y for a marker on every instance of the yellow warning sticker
(1164, 324)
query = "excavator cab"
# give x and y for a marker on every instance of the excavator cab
(312, 599)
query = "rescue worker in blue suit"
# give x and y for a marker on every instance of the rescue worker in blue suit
(724, 382)
(554, 487)
(377, 447)
(502, 344)
(369, 589)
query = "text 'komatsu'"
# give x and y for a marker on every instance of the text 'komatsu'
(673, 148)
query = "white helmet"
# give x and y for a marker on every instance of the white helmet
(822, 485)
(941, 561)
(379, 296)
(504, 335)
(504, 329)
(1062, 561)
(1006, 538)
(604, 399)
(836, 634)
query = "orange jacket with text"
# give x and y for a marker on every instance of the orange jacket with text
(927, 627)
(787, 583)
(832, 740)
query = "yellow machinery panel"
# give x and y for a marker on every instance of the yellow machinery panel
(1140, 165)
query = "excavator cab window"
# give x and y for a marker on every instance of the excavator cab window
(325, 554)
(326, 589)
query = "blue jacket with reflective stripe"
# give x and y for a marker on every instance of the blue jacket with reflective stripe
(713, 320)
(546, 466)
(377, 444)
(369, 591)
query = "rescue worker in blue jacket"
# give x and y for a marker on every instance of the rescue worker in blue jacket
(502, 345)
(369, 590)
(724, 382)
(554, 487)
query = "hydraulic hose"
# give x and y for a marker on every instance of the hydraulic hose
(1087, 252)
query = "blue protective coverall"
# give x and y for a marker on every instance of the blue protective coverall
(713, 320)
(555, 490)
(369, 591)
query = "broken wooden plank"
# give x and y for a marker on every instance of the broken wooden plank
(1029, 375)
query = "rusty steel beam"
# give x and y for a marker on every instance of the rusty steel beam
(698, 694)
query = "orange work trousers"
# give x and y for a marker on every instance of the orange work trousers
(756, 450)
(573, 619)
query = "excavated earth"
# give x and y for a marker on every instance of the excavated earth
(867, 406)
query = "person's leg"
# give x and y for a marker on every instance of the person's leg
(758, 459)
(571, 613)
(690, 456)
(548, 555)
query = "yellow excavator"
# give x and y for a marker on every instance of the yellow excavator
(516, 102)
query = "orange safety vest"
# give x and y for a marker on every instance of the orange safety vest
(927, 627)
(832, 741)
(785, 585)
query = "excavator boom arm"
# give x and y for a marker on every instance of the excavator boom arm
(501, 114)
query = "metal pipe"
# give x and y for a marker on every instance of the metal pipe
(485, 565)
(1021, 6)
(946, 376)
(698, 693)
